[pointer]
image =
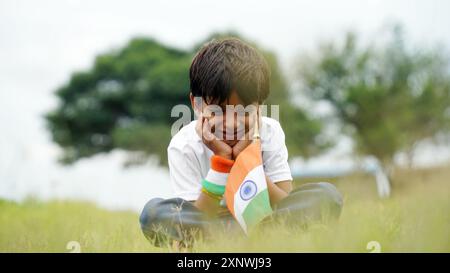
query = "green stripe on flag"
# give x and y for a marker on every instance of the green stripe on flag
(257, 209)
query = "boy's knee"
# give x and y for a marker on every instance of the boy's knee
(311, 202)
(149, 212)
(156, 220)
(159, 211)
(165, 219)
(330, 196)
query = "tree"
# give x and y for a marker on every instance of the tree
(387, 97)
(125, 100)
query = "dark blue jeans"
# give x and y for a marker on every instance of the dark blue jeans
(164, 220)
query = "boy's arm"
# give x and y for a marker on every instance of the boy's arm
(278, 191)
(207, 202)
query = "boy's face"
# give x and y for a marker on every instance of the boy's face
(230, 121)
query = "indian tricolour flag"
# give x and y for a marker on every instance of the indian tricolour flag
(246, 191)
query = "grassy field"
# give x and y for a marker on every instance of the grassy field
(415, 219)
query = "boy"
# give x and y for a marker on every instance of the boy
(226, 74)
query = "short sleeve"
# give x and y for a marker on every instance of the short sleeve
(275, 156)
(185, 175)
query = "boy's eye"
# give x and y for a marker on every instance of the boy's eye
(212, 114)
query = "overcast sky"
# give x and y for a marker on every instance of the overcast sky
(43, 42)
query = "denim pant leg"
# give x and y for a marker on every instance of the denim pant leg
(164, 220)
(310, 203)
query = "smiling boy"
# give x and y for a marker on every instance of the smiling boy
(226, 75)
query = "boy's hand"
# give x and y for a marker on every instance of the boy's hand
(218, 147)
(240, 146)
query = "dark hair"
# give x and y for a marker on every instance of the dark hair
(229, 64)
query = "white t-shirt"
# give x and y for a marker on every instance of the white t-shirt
(189, 158)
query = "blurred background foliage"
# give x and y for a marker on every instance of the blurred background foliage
(387, 97)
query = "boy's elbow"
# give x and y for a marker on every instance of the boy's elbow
(286, 186)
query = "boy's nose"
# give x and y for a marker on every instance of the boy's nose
(234, 129)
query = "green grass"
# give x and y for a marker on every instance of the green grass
(415, 219)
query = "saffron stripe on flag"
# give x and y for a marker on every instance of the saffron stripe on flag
(246, 161)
